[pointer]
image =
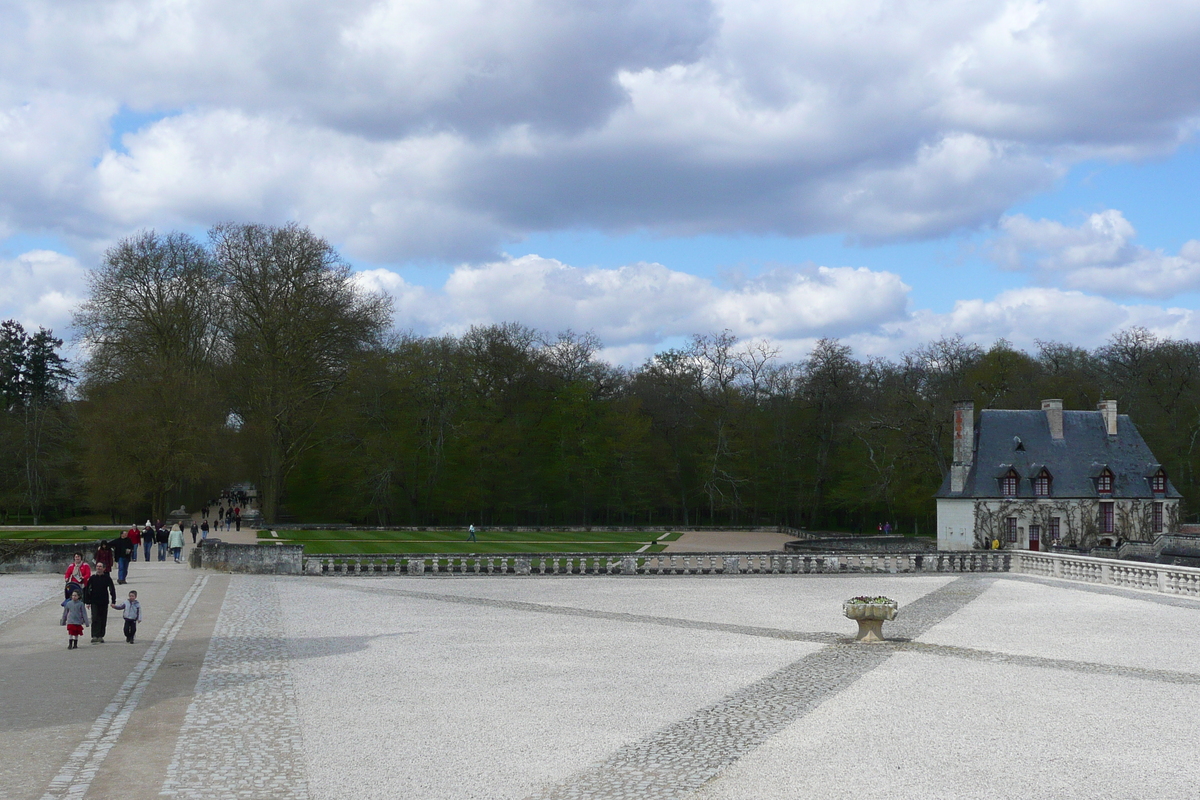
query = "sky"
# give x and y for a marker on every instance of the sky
(886, 173)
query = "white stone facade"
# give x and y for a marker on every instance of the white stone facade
(968, 523)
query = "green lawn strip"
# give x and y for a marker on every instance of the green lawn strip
(461, 547)
(68, 536)
(670, 537)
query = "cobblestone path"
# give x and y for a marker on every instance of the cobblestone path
(681, 758)
(241, 735)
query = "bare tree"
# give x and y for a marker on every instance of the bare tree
(152, 328)
(296, 319)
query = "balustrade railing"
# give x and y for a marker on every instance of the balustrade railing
(1110, 572)
(770, 563)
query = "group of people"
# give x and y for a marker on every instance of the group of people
(91, 588)
(229, 517)
(124, 548)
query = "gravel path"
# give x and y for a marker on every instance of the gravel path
(19, 593)
(708, 687)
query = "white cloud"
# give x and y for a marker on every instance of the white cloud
(640, 309)
(638, 306)
(41, 288)
(442, 130)
(1097, 256)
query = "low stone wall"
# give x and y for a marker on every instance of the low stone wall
(261, 559)
(861, 544)
(19, 555)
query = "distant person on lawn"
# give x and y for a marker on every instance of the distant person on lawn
(472, 538)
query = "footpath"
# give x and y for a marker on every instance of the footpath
(102, 720)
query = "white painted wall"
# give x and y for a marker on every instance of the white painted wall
(955, 524)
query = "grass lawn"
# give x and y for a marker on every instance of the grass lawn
(368, 542)
(62, 536)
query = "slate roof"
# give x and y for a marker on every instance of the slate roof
(1073, 461)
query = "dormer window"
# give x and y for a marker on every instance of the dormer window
(1041, 484)
(1158, 482)
(1008, 484)
(1104, 482)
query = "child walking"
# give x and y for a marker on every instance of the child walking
(75, 617)
(131, 612)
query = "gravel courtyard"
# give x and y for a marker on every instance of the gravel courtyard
(574, 687)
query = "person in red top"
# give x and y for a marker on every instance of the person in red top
(104, 555)
(135, 537)
(77, 575)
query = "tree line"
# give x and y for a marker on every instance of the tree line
(255, 356)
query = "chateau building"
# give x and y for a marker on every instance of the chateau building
(1032, 479)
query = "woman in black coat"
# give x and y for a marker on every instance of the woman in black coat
(99, 589)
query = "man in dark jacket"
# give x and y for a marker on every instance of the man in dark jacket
(160, 536)
(122, 548)
(100, 592)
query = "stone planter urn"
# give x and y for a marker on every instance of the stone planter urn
(870, 613)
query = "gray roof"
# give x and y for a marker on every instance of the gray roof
(1073, 462)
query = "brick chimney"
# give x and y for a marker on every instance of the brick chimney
(1108, 412)
(964, 444)
(1053, 409)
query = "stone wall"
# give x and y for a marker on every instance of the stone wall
(262, 559)
(17, 555)
(862, 544)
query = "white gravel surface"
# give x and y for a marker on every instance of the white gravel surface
(1029, 618)
(19, 593)
(417, 698)
(808, 604)
(923, 726)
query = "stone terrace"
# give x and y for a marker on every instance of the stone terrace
(714, 687)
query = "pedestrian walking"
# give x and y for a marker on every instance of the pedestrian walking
(98, 591)
(75, 617)
(195, 531)
(472, 538)
(175, 541)
(160, 538)
(203, 530)
(237, 519)
(122, 549)
(148, 539)
(135, 538)
(104, 555)
(77, 576)
(131, 612)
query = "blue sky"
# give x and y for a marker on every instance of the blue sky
(884, 174)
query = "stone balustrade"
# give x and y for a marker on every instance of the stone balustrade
(1126, 574)
(769, 563)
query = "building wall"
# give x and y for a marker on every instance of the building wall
(1079, 520)
(955, 524)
